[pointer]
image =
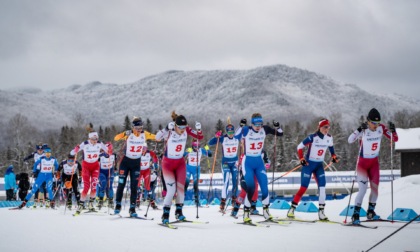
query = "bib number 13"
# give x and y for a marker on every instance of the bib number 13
(256, 146)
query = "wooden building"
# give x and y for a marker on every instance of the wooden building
(408, 146)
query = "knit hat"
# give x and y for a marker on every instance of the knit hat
(230, 128)
(137, 122)
(324, 122)
(180, 120)
(93, 135)
(374, 115)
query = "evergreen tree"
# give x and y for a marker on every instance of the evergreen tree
(127, 123)
(219, 125)
(148, 126)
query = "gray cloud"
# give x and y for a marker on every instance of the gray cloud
(53, 44)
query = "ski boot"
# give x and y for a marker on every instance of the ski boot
(371, 215)
(321, 214)
(47, 204)
(153, 205)
(291, 212)
(23, 204)
(69, 205)
(80, 207)
(356, 214)
(266, 212)
(117, 209)
(52, 204)
(235, 209)
(165, 215)
(222, 205)
(178, 212)
(132, 210)
(111, 203)
(254, 210)
(247, 219)
(90, 205)
(100, 202)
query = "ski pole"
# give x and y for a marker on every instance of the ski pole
(274, 163)
(212, 170)
(355, 173)
(418, 216)
(198, 177)
(392, 181)
(285, 174)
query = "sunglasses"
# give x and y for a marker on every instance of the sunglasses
(231, 132)
(326, 127)
(70, 161)
(374, 123)
(138, 127)
(257, 124)
(181, 126)
(94, 139)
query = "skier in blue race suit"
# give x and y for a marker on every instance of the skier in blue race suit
(253, 165)
(45, 168)
(194, 155)
(230, 147)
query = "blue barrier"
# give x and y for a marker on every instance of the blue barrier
(404, 214)
(280, 204)
(307, 207)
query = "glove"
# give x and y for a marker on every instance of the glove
(76, 149)
(363, 126)
(80, 180)
(218, 133)
(303, 162)
(267, 166)
(198, 126)
(206, 147)
(335, 159)
(243, 122)
(189, 149)
(276, 124)
(26, 162)
(170, 126)
(392, 127)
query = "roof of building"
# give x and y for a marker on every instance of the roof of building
(408, 139)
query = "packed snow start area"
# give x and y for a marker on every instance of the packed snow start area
(57, 230)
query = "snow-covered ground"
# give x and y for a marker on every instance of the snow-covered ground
(52, 230)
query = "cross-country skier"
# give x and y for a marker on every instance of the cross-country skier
(134, 141)
(36, 155)
(369, 135)
(230, 147)
(173, 164)
(253, 139)
(106, 177)
(317, 144)
(147, 163)
(90, 168)
(69, 169)
(194, 155)
(44, 168)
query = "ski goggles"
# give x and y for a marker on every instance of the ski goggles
(257, 121)
(231, 132)
(181, 126)
(70, 160)
(375, 123)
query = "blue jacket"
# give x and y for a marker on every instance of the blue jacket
(10, 179)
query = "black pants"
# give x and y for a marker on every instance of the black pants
(9, 194)
(22, 194)
(128, 167)
(74, 187)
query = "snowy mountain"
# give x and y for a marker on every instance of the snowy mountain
(277, 92)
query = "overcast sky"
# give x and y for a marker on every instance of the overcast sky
(54, 44)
